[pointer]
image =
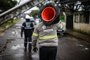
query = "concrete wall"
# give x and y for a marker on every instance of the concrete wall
(79, 26)
(82, 27)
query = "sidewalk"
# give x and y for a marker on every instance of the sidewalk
(78, 35)
(3, 43)
(3, 28)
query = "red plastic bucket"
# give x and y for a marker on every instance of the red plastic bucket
(48, 14)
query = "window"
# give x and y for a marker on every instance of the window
(76, 18)
(86, 14)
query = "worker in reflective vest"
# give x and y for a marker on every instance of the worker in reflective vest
(27, 28)
(46, 32)
(48, 40)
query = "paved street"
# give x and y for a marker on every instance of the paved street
(69, 48)
(73, 49)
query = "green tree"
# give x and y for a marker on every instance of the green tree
(7, 4)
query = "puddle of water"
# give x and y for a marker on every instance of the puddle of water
(15, 47)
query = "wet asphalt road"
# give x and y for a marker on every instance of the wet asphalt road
(69, 48)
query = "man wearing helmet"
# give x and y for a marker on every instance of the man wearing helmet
(27, 28)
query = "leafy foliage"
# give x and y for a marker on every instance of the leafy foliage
(7, 4)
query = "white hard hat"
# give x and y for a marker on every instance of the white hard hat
(27, 16)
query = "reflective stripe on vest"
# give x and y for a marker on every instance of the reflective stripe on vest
(35, 34)
(27, 27)
(48, 37)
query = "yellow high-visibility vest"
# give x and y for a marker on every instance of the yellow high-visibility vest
(35, 34)
(48, 37)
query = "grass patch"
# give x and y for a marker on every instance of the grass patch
(8, 24)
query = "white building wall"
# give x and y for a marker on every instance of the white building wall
(84, 27)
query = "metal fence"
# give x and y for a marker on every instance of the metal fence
(16, 11)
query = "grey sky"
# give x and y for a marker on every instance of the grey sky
(22, 1)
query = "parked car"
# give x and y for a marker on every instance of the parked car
(62, 31)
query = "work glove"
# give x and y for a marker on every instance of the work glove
(35, 49)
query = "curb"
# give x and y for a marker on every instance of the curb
(78, 35)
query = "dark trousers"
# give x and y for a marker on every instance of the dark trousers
(27, 43)
(48, 53)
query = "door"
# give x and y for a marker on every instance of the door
(69, 22)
